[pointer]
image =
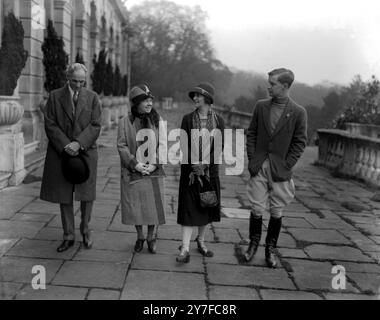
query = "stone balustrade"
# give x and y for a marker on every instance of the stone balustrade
(350, 154)
(233, 118)
(113, 108)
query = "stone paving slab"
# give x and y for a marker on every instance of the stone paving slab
(293, 253)
(359, 267)
(40, 206)
(102, 294)
(357, 237)
(235, 293)
(314, 275)
(6, 244)
(369, 228)
(248, 276)
(289, 222)
(160, 285)
(19, 229)
(96, 224)
(337, 224)
(11, 204)
(52, 293)
(91, 274)
(9, 289)
(318, 236)
(367, 282)
(235, 213)
(103, 256)
(49, 233)
(163, 262)
(348, 296)
(116, 241)
(288, 295)
(41, 249)
(227, 235)
(16, 269)
(336, 253)
(36, 217)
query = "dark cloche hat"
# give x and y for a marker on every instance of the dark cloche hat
(139, 93)
(75, 168)
(205, 89)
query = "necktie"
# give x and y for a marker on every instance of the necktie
(75, 100)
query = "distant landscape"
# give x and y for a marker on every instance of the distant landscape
(245, 83)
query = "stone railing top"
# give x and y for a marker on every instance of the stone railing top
(240, 113)
(346, 134)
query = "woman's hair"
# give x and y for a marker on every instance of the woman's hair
(208, 100)
(153, 116)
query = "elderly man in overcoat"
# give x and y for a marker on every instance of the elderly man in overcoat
(72, 125)
(276, 138)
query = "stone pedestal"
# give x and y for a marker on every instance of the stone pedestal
(12, 153)
(11, 140)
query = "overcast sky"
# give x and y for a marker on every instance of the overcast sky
(323, 40)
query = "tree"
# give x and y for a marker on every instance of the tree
(97, 76)
(171, 49)
(13, 56)
(363, 103)
(55, 59)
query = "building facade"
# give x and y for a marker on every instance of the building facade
(86, 26)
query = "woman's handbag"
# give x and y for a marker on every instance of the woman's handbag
(208, 197)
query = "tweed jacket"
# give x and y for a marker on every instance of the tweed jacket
(284, 146)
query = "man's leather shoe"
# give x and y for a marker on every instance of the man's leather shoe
(66, 244)
(87, 242)
(139, 245)
(151, 245)
(251, 251)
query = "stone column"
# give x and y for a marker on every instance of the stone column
(63, 11)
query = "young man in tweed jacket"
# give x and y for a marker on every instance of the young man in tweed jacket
(276, 138)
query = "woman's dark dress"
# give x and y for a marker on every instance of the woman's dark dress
(190, 213)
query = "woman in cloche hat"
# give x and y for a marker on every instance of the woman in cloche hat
(191, 213)
(142, 176)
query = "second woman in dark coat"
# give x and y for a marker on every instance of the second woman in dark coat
(195, 174)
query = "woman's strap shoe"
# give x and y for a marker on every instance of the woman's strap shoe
(184, 256)
(151, 245)
(139, 245)
(203, 249)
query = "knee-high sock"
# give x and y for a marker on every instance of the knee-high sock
(186, 236)
(202, 233)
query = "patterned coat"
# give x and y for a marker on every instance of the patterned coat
(63, 127)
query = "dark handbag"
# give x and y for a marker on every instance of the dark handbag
(207, 196)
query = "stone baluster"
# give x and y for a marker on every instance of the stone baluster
(358, 160)
(376, 173)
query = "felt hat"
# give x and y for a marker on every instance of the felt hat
(139, 93)
(75, 168)
(205, 89)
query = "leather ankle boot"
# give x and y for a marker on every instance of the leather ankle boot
(255, 227)
(274, 229)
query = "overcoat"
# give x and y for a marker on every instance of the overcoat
(143, 199)
(284, 146)
(190, 213)
(63, 127)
